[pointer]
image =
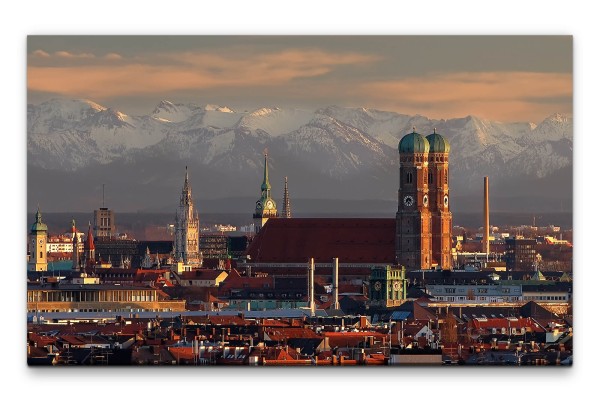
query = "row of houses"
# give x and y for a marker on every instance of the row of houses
(418, 332)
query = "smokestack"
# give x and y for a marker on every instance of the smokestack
(311, 286)
(335, 305)
(486, 219)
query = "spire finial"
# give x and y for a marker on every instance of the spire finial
(414, 129)
(266, 185)
(434, 130)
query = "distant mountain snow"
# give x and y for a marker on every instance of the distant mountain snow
(332, 143)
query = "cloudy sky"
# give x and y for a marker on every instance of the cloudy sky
(504, 78)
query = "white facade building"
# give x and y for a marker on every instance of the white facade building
(475, 293)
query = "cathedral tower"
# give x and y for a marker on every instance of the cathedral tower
(186, 242)
(439, 203)
(266, 207)
(38, 237)
(413, 219)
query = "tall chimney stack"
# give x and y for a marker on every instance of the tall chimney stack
(335, 305)
(311, 286)
(486, 219)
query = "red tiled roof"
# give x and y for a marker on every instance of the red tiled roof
(499, 323)
(219, 320)
(235, 281)
(182, 353)
(280, 334)
(352, 240)
(350, 339)
(273, 323)
(201, 274)
(41, 340)
(73, 340)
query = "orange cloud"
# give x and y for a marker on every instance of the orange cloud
(181, 71)
(65, 54)
(493, 95)
(40, 53)
(113, 56)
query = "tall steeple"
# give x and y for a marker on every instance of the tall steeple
(186, 191)
(265, 207)
(287, 210)
(266, 186)
(186, 241)
(89, 247)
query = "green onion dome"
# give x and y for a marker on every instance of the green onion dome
(38, 225)
(437, 143)
(413, 143)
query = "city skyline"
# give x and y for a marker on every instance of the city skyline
(439, 18)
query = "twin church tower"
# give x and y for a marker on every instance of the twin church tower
(423, 220)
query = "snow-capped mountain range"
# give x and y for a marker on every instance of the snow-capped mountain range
(333, 151)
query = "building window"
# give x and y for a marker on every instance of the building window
(430, 175)
(409, 178)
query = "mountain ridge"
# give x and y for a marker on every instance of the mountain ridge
(332, 151)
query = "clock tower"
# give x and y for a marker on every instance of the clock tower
(265, 208)
(413, 219)
(439, 203)
(38, 238)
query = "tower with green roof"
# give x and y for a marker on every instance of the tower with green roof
(439, 201)
(265, 207)
(413, 219)
(38, 238)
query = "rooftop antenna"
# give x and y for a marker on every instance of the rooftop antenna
(102, 195)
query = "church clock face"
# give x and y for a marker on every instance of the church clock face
(258, 205)
(446, 201)
(425, 200)
(377, 286)
(269, 205)
(396, 286)
(408, 200)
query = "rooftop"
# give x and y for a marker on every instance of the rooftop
(352, 240)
